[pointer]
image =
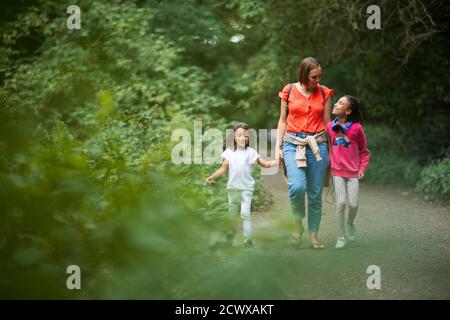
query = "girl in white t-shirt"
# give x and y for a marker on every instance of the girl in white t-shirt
(239, 162)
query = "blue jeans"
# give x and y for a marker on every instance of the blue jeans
(308, 180)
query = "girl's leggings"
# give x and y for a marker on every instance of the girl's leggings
(239, 201)
(346, 187)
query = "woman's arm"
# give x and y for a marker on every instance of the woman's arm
(266, 164)
(280, 132)
(327, 112)
(330, 144)
(220, 172)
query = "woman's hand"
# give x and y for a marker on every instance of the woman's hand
(279, 156)
(360, 175)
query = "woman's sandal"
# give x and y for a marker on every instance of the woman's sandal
(317, 245)
(296, 236)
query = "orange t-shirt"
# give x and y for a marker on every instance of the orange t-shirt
(305, 114)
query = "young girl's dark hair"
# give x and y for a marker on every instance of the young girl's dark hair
(230, 138)
(355, 106)
(239, 125)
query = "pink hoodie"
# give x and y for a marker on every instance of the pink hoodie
(348, 161)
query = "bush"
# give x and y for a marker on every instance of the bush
(389, 160)
(86, 171)
(434, 181)
(394, 160)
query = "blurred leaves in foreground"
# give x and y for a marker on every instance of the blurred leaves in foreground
(85, 170)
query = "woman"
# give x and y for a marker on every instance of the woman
(302, 144)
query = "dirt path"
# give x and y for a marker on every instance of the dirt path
(407, 238)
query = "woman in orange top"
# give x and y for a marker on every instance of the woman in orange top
(306, 114)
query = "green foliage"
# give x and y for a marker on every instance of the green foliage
(86, 169)
(392, 162)
(389, 160)
(435, 181)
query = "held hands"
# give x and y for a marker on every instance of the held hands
(272, 163)
(279, 156)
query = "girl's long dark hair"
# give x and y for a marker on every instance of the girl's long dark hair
(356, 107)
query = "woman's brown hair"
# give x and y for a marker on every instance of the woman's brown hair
(305, 66)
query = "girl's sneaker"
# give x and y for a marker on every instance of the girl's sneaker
(229, 238)
(351, 232)
(340, 243)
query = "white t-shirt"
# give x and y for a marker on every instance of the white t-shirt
(240, 168)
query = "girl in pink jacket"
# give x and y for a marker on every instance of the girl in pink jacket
(349, 158)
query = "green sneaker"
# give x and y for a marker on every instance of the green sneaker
(351, 232)
(340, 243)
